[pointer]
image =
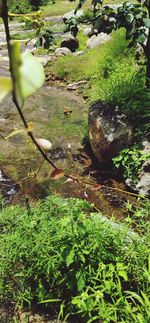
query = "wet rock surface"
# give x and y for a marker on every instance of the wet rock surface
(109, 130)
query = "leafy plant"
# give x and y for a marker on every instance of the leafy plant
(67, 259)
(21, 7)
(138, 215)
(131, 159)
(45, 38)
(72, 25)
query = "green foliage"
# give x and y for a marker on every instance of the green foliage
(72, 25)
(68, 259)
(138, 215)
(38, 3)
(45, 38)
(20, 6)
(131, 160)
(5, 86)
(27, 72)
(25, 6)
(133, 17)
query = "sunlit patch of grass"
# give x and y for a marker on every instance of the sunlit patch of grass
(60, 7)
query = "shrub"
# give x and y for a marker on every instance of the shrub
(131, 159)
(20, 6)
(68, 259)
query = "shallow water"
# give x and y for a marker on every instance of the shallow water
(19, 159)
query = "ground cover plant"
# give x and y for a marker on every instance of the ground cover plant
(63, 256)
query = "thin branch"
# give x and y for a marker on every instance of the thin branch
(6, 25)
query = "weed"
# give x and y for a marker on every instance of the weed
(68, 260)
(131, 160)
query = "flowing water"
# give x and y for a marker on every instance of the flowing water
(19, 159)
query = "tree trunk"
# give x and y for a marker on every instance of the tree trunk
(148, 73)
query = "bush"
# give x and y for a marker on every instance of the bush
(131, 160)
(20, 6)
(25, 6)
(68, 259)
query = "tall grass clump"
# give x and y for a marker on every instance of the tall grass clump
(121, 79)
(71, 262)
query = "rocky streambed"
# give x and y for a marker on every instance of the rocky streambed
(61, 117)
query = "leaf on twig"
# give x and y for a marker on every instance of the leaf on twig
(27, 72)
(5, 86)
(57, 174)
(15, 132)
(31, 74)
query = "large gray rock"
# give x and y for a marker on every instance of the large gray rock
(70, 42)
(98, 40)
(109, 130)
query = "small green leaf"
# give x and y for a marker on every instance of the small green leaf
(147, 22)
(123, 274)
(27, 72)
(15, 132)
(70, 258)
(52, 300)
(129, 17)
(5, 86)
(80, 281)
(31, 75)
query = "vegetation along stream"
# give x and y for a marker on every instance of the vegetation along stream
(74, 226)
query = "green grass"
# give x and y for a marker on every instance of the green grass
(61, 7)
(92, 63)
(63, 256)
(23, 36)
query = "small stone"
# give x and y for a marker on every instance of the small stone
(87, 31)
(76, 85)
(71, 14)
(62, 51)
(98, 40)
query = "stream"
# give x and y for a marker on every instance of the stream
(19, 159)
